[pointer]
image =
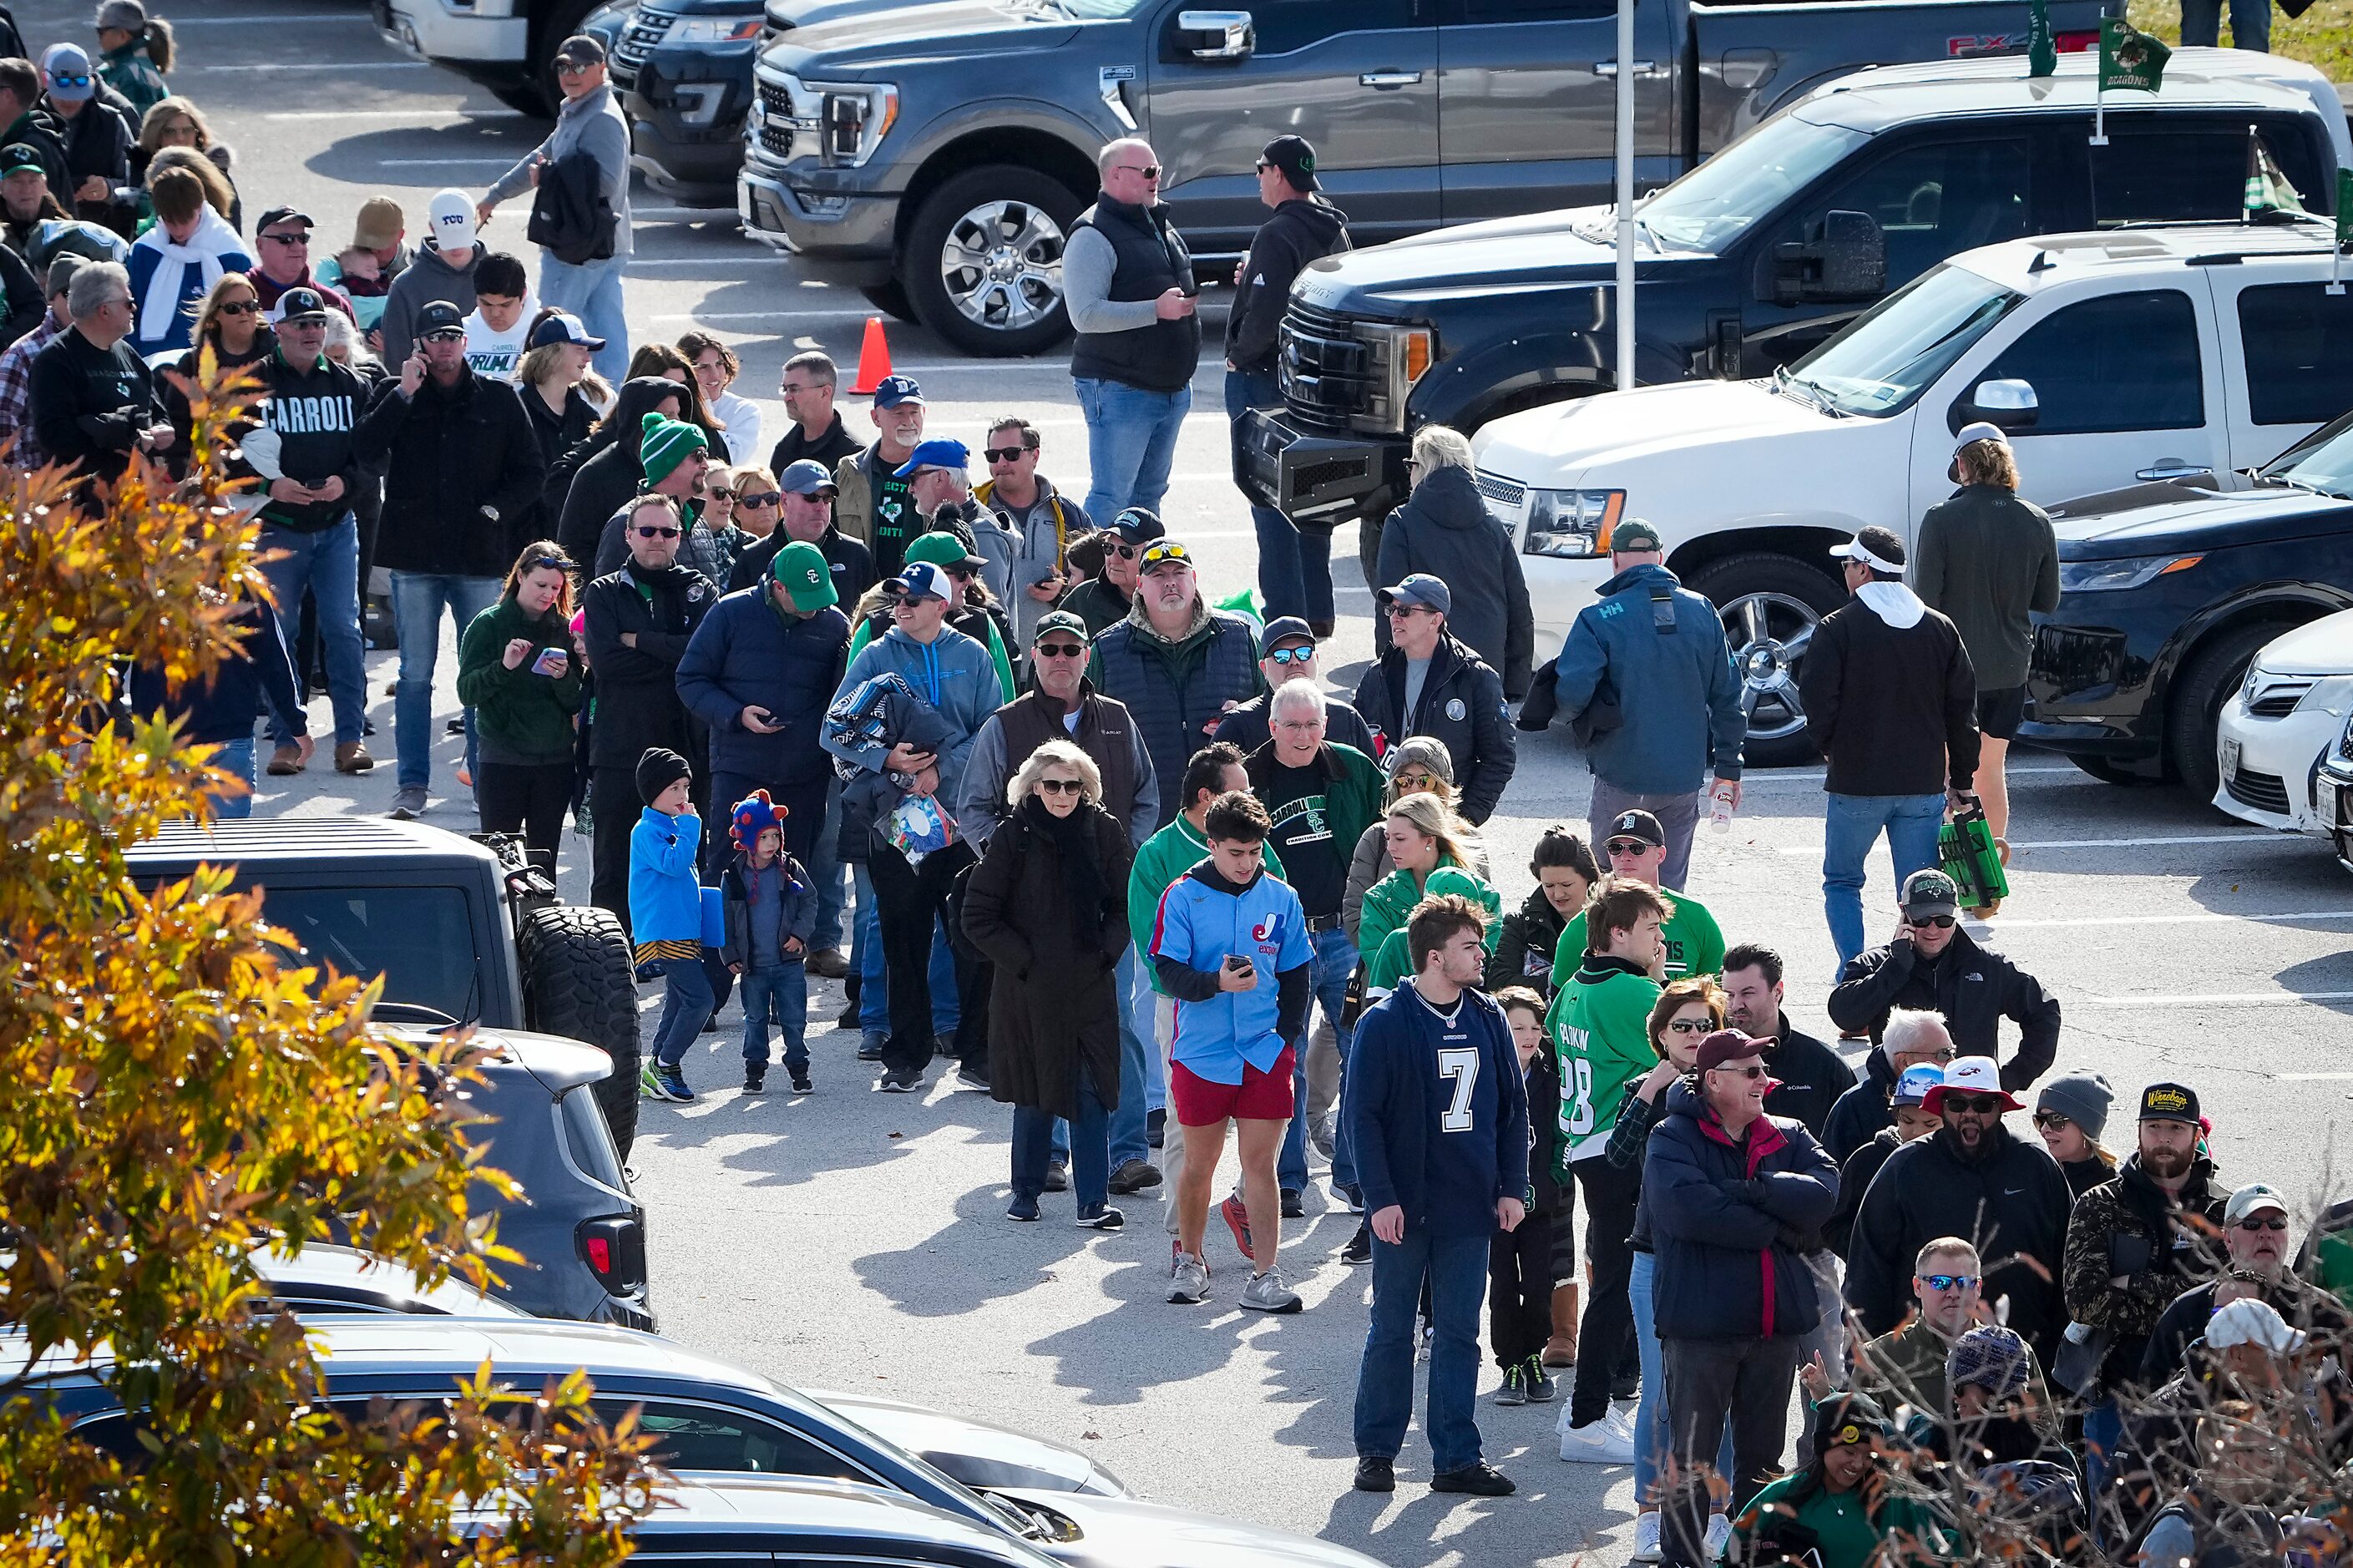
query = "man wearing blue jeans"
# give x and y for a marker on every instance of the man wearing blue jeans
(1438, 1114)
(1891, 701)
(590, 125)
(460, 462)
(1128, 281)
(1295, 564)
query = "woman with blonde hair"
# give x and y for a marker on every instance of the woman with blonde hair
(1425, 836)
(219, 195)
(1047, 905)
(1417, 765)
(228, 326)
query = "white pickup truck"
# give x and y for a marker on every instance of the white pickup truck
(2121, 355)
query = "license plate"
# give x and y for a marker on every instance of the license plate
(2230, 758)
(743, 205)
(2325, 805)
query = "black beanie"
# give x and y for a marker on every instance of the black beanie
(657, 769)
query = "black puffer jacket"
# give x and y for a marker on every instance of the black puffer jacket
(2008, 1198)
(1461, 707)
(1445, 528)
(1523, 955)
(1972, 988)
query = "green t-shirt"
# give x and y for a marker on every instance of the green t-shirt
(1695, 944)
(1840, 1521)
(895, 523)
(1600, 1026)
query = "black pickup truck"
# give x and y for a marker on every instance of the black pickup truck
(1758, 254)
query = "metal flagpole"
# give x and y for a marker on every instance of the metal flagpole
(1625, 192)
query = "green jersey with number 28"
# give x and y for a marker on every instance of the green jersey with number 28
(1599, 1023)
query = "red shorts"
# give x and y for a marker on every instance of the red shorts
(1260, 1097)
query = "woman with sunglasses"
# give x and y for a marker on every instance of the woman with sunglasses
(758, 505)
(1047, 906)
(228, 323)
(2070, 1114)
(517, 670)
(1417, 765)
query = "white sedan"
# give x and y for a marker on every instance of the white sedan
(2287, 714)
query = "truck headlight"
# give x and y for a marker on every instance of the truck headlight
(2108, 576)
(853, 120)
(1397, 357)
(1571, 523)
(713, 29)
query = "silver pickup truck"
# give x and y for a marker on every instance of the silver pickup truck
(934, 155)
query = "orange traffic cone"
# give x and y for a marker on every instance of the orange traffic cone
(873, 359)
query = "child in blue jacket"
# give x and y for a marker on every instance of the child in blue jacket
(665, 914)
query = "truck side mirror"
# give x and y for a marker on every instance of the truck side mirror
(1213, 36)
(1843, 257)
(2010, 404)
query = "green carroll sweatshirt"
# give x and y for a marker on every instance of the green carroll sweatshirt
(1599, 1023)
(1694, 942)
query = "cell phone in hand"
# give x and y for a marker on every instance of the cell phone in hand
(1239, 964)
(551, 661)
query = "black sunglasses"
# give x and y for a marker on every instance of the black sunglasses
(1691, 1025)
(1981, 1103)
(658, 532)
(282, 237)
(766, 498)
(1127, 552)
(1629, 846)
(1754, 1069)
(2252, 1224)
(1941, 922)
(2050, 1121)
(541, 562)
(239, 307)
(574, 68)
(1005, 453)
(1062, 649)
(446, 335)
(1063, 787)
(1149, 171)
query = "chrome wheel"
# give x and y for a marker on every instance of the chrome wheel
(1769, 634)
(1001, 265)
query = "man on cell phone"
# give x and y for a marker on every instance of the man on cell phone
(759, 671)
(1230, 948)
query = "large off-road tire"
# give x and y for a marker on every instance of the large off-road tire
(1770, 603)
(982, 265)
(2193, 707)
(578, 982)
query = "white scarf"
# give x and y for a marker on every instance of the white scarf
(1894, 602)
(203, 250)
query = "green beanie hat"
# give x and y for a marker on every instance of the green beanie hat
(664, 444)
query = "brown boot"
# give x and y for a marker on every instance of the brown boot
(285, 761)
(1561, 1350)
(352, 757)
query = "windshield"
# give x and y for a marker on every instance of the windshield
(2323, 461)
(1710, 207)
(421, 940)
(1897, 347)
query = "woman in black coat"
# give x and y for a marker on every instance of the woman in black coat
(610, 475)
(1047, 906)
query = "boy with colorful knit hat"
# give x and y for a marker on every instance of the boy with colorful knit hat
(771, 908)
(665, 914)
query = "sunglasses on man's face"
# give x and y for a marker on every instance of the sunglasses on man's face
(1628, 846)
(1127, 552)
(1149, 171)
(299, 237)
(1061, 786)
(658, 532)
(70, 81)
(447, 335)
(962, 573)
(1950, 1281)
(575, 68)
(2252, 1224)
(1753, 1070)
(239, 307)
(1004, 453)
(1061, 651)
(1981, 1104)
(1940, 922)
(1287, 656)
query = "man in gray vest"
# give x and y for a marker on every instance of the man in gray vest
(1128, 281)
(1064, 705)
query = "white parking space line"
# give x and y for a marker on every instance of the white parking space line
(447, 163)
(2156, 841)
(356, 16)
(1816, 775)
(423, 119)
(2221, 999)
(679, 214)
(2002, 926)
(751, 258)
(309, 66)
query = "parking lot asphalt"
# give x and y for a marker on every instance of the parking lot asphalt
(855, 1240)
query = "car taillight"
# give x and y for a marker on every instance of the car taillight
(614, 1250)
(2075, 43)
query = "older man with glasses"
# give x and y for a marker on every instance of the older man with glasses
(1127, 281)
(1290, 654)
(91, 399)
(2256, 1254)
(1102, 602)
(282, 254)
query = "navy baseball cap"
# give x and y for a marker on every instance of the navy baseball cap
(564, 327)
(943, 453)
(893, 390)
(921, 580)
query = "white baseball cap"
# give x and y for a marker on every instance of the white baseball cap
(2250, 1321)
(450, 220)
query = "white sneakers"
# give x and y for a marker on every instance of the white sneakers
(1188, 1279)
(1609, 1441)
(1719, 1534)
(1646, 1537)
(1267, 1293)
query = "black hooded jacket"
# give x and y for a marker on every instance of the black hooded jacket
(1445, 528)
(1972, 988)
(1463, 708)
(449, 452)
(637, 704)
(1302, 230)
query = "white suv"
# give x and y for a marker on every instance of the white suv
(2120, 355)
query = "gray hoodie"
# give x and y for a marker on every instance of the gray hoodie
(428, 277)
(592, 124)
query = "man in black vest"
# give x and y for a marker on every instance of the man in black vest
(1065, 706)
(1128, 281)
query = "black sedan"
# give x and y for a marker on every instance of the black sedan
(2166, 592)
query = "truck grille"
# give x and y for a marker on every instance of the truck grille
(775, 119)
(2279, 701)
(2264, 792)
(1325, 375)
(1505, 493)
(644, 34)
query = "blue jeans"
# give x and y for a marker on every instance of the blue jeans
(1295, 564)
(781, 992)
(328, 564)
(418, 600)
(1853, 826)
(873, 981)
(686, 1005)
(2250, 22)
(1335, 960)
(593, 293)
(1651, 1412)
(1131, 442)
(1128, 1140)
(236, 759)
(1457, 1268)
(1089, 1151)
(824, 864)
